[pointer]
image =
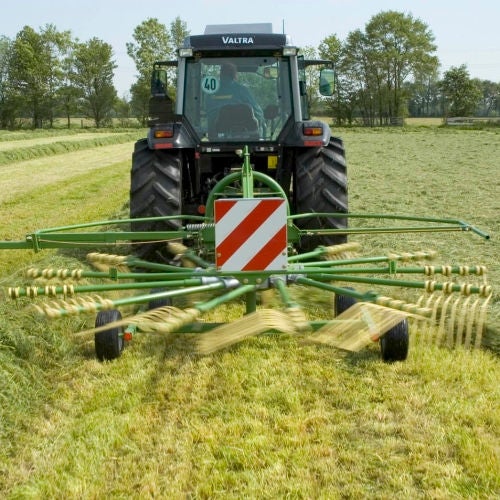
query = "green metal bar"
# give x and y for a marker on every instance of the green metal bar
(219, 188)
(139, 299)
(155, 266)
(120, 222)
(246, 175)
(63, 290)
(458, 224)
(280, 285)
(318, 252)
(364, 297)
(450, 287)
(400, 270)
(382, 230)
(251, 301)
(231, 295)
(370, 260)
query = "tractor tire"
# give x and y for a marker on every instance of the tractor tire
(155, 190)
(108, 343)
(395, 343)
(321, 186)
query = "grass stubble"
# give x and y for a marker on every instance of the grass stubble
(271, 417)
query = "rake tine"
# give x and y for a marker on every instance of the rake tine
(481, 321)
(442, 321)
(358, 326)
(461, 322)
(471, 320)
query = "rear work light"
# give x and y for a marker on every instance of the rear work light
(164, 134)
(307, 130)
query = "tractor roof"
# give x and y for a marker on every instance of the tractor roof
(237, 36)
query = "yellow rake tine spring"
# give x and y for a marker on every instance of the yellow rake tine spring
(451, 323)
(461, 321)
(442, 320)
(471, 319)
(480, 321)
(426, 328)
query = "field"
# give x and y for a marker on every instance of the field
(271, 417)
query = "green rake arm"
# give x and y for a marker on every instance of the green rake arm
(72, 236)
(66, 237)
(433, 224)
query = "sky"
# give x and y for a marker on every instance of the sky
(466, 31)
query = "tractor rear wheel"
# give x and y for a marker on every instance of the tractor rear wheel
(108, 343)
(394, 344)
(155, 190)
(321, 186)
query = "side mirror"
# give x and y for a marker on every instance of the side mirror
(326, 82)
(159, 82)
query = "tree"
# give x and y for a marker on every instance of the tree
(361, 74)
(94, 69)
(69, 94)
(378, 62)
(140, 92)
(462, 94)
(153, 42)
(402, 46)
(331, 49)
(123, 111)
(57, 45)
(490, 99)
(7, 102)
(178, 32)
(35, 69)
(311, 75)
(424, 96)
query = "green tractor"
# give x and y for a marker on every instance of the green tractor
(236, 86)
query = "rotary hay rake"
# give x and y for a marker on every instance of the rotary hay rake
(244, 245)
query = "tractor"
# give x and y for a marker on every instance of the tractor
(236, 86)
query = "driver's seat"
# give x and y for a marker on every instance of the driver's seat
(235, 120)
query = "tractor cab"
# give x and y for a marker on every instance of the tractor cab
(236, 86)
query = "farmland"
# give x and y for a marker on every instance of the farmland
(271, 417)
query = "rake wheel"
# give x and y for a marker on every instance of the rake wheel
(394, 344)
(108, 343)
(155, 303)
(342, 303)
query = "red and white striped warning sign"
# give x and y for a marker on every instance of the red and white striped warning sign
(250, 234)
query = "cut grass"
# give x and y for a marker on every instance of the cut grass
(270, 417)
(62, 145)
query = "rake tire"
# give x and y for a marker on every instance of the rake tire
(155, 303)
(342, 303)
(321, 186)
(108, 343)
(395, 343)
(155, 190)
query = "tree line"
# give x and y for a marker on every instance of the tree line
(385, 72)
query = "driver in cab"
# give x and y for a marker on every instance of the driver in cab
(231, 92)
